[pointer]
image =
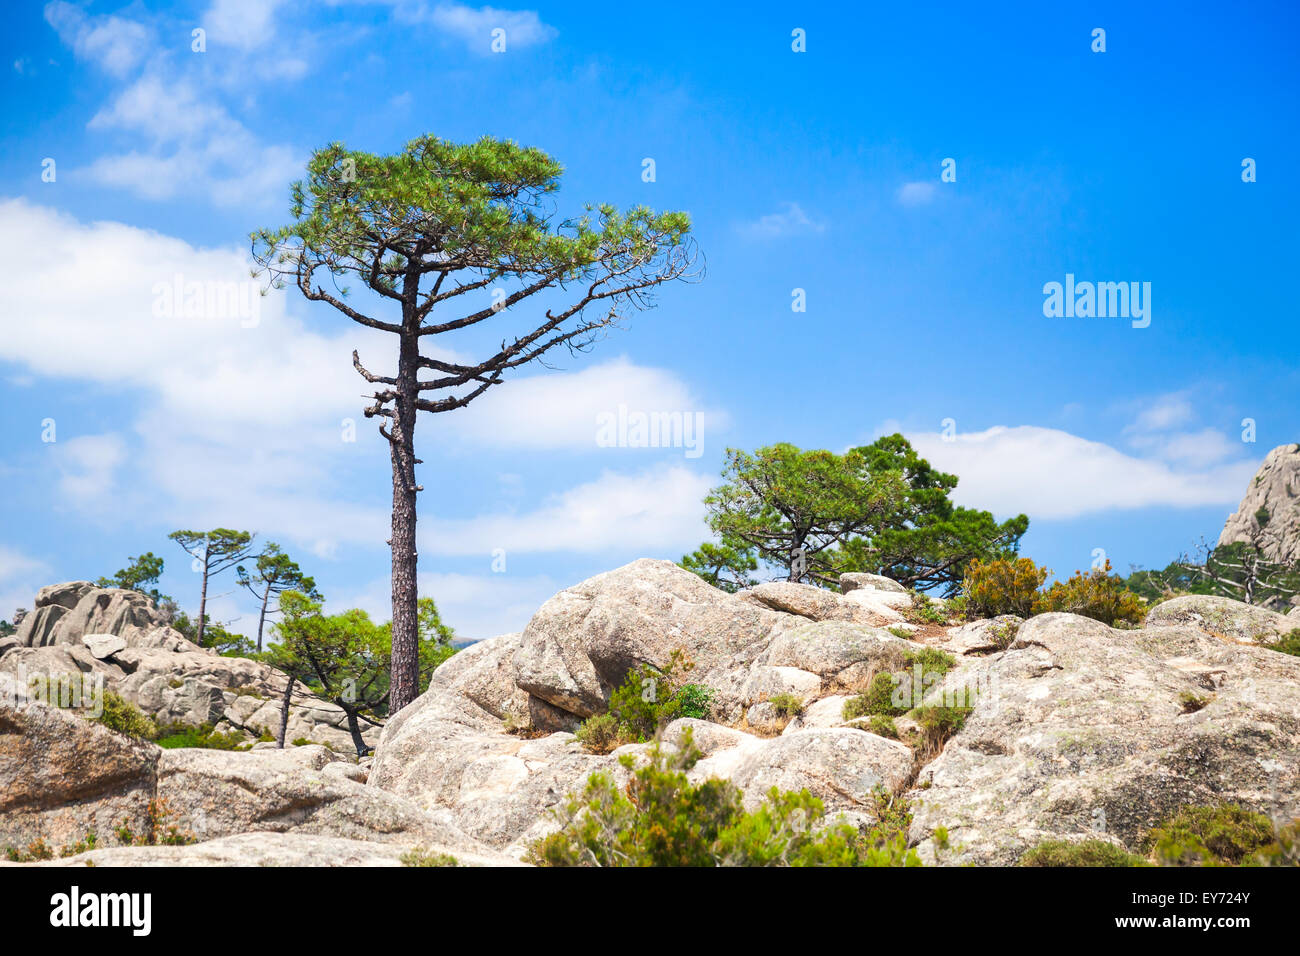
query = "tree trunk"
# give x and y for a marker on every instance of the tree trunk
(203, 598)
(261, 620)
(284, 713)
(405, 660)
(354, 728)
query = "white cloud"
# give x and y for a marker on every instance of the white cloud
(560, 409)
(241, 426)
(88, 465)
(474, 25)
(658, 510)
(790, 221)
(191, 145)
(114, 44)
(246, 24)
(1047, 473)
(1153, 433)
(917, 194)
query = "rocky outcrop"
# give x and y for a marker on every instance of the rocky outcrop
(119, 637)
(1223, 618)
(1276, 489)
(1075, 730)
(1084, 731)
(63, 776)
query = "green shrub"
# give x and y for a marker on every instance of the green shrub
(786, 705)
(938, 722)
(38, 849)
(205, 737)
(599, 733)
(924, 610)
(1098, 594)
(662, 819)
(694, 700)
(1084, 853)
(419, 856)
(1209, 836)
(992, 588)
(120, 715)
(1288, 643)
(1192, 702)
(877, 700)
(1002, 635)
(883, 726)
(646, 701)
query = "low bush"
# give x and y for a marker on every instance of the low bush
(646, 701)
(120, 715)
(1098, 594)
(1083, 853)
(938, 722)
(160, 830)
(660, 818)
(174, 736)
(883, 727)
(1288, 643)
(1015, 587)
(1214, 836)
(419, 856)
(599, 733)
(786, 705)
(991, 588)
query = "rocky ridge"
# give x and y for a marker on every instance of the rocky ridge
(1078, 731)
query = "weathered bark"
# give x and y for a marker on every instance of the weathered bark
(203, 598)
(284, 713)
(405, 660)
(261, 620)
(355, 729)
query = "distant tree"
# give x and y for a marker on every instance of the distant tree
(140, 575)
(7, 629)
(213, 551)
(814, 515)
(273, 573)
(441, 220)
(346, 658)
(218, 639)
(726, 567)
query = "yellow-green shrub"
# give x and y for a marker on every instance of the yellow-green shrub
(1002, 587)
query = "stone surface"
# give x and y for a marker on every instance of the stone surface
(61, 775)
(854, 580)
(1221, 617)
(119, 638)
(272, 849)
(1276, 487)
(1080, 727)
(103, 645)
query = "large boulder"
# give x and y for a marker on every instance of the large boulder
(582, 643)
(62, 775)
(1221, 617)
(1081, 730)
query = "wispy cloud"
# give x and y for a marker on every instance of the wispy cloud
(790, 221)
(1048, 473)
(114, 44)
(917, 194)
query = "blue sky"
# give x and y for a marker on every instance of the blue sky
(818, 171)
